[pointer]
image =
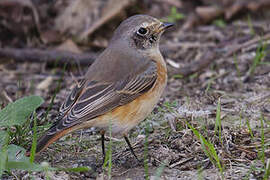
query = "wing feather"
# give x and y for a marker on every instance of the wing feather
(91, 99)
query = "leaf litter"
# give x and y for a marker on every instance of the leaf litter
(195, 96)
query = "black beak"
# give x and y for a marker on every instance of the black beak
(167, 25)
(164, 26)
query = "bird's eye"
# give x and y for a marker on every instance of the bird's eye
(142, 31)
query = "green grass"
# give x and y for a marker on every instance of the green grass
(250, 25)
(170, 106)
(175, 15)
(108, 157)
(236, 65)
(261, 151)
(267, 171)
(261, 154)
(208, 149)
(220, 23)
(16, 115)
(145, 154)
(218, 127)
(193, 76)
(178, 76)
(160, 170)
(12, 157)
(251, 169)
(206, 145)
(209, 84)
(34, 142)
(260, 54)
(16, 118)
(200, 175)
(249, 129)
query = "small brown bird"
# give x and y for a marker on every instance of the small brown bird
(120, 88)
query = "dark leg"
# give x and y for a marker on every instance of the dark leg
(130, 148)
(103, 146)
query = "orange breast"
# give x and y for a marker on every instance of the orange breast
(123, 118)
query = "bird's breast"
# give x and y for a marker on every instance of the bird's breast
(124, 118)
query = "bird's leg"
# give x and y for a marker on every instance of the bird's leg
(130, 148)
(103, 145)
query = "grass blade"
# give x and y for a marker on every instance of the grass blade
(34, 143)
(108, 156)
(145, 154)
(208, 149)
(218, 121)
(160, 170)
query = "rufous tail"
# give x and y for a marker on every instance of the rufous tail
(48, 139)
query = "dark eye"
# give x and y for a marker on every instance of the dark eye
(142, 31)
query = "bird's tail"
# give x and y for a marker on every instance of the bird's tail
(48, 138)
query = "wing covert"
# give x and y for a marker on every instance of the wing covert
(97, 98)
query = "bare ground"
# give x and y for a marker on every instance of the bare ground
(244, 98)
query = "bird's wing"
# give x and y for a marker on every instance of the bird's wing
(98, 97)
(71, 99)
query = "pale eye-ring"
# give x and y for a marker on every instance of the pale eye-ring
(142, 31)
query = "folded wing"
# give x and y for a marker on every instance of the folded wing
(91, 98)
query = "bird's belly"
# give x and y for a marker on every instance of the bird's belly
(124, 118)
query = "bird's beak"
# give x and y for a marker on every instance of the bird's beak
(164, 26)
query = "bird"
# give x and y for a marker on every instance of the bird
(120, 89)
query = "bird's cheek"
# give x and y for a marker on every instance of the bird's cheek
(153, 39)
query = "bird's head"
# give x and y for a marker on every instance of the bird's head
(141, 31)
